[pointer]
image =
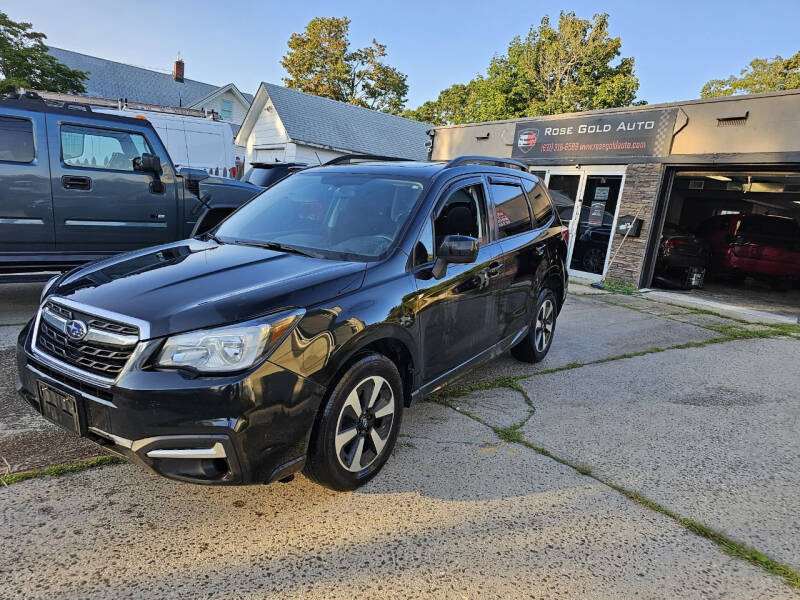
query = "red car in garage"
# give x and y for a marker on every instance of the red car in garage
(760, 246)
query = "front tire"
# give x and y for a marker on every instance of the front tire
(358, 426)
(535, 346)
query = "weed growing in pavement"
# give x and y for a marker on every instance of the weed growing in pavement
(735, 332)
(617, 286)
(58, 470)
(784, 328)
(728, 545)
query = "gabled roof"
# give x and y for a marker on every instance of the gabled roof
(337, 125)
(111, 79)
(245, 99)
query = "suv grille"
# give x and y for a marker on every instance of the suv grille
(99, 359)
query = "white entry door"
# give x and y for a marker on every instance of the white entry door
(587, 200)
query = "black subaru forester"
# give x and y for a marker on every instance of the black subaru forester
(294, 334)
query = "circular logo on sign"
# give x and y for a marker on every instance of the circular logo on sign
(76, 330)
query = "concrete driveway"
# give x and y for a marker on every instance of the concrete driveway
(519, 482)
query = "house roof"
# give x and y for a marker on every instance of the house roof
(111, 79)
(345, 127)
(246, 99)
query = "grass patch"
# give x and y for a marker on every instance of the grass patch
(58, 470)
(736, 332)
(566, 367)
(784, 328)
(512, 434)
(508, 381)
(617, 286)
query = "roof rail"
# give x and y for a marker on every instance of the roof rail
(486, 160)
(22, 95)
(347, 159)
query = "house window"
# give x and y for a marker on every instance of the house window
(226, 109)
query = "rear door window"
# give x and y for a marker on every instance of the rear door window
(539, 201)
(16, 140)
(512, 212)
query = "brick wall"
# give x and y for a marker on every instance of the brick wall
(639, 195)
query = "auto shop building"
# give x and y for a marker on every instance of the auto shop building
(619, 176)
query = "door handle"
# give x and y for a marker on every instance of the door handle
(76, 182)
(495, 269)
(540, 249)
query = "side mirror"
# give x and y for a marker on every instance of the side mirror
(150, 163)
(455, 249)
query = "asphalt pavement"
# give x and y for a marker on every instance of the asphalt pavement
(463, 509)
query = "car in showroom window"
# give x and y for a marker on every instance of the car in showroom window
(293, 335)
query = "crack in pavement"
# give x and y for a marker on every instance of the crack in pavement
(512, 434)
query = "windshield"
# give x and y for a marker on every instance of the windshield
(355, 216)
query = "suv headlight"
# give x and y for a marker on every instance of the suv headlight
(230, 348)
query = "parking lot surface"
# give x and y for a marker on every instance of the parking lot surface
(464, 508)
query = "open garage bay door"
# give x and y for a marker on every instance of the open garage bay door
(738, 228)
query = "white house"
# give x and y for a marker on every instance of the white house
(228, 102)
(286, 125)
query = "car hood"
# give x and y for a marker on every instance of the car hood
(195, 284)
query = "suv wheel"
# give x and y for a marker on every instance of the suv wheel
(536, 344)
(358, 426)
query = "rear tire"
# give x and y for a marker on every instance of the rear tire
(358, 426)
(535, 346)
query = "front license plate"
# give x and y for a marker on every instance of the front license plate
(61, 408)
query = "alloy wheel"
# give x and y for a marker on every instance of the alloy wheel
(545, 321)
(364, 423)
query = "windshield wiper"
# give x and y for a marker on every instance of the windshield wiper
(275, 246)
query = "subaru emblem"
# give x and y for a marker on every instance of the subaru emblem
(76, 330)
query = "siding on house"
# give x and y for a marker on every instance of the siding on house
(215, 104)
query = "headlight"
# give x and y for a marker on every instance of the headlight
(229, 348)
(47, 286)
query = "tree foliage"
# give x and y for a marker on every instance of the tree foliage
(551, 70)
(25, 63)
(761, 75)
(320, 62)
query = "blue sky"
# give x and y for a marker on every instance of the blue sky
(677, 45)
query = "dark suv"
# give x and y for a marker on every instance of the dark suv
(294, 334)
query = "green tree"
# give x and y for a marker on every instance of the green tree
(25, 63)
(761, 75)
(320, 62)
(551, 70)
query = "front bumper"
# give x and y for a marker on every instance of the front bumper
(238, 429)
